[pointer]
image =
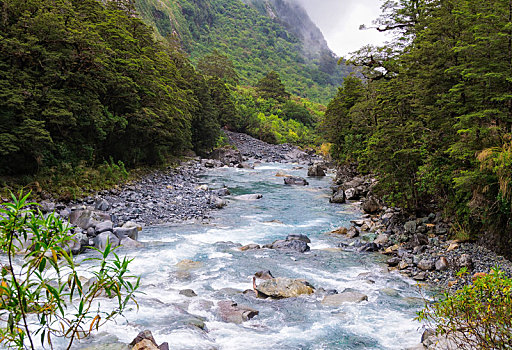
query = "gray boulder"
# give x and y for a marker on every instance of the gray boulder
(316, 170)
(338, 197)
(371, 205)
(352, 194)
(426, 265)
(104, 226)
(85, 218)
(102, 204)
(442, 264)
(295, 180)
(221, 192)
(217, 202)
(127, 242)
(227, 155)
(230, 311)
(124, 232)
(298, 237)
(293, 245)
(100, 241)
(337, 300)
(282, 287)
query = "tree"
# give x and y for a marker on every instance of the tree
(271, 86)
(47, 289)
(218, 65)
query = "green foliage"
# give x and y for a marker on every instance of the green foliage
(433, 116)
(255, 43)
(46, 292)
(218, 65)
(476, 316)
(271, 86)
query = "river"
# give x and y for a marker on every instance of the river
(385, 321)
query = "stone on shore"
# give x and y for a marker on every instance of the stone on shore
(100, 241)
(317, 170)
(249, 197)
(128, 242)
(124, 232)
(338, 197)
(371, 205)
(227, 155)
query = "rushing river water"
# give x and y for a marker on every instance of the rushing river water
(385, 321)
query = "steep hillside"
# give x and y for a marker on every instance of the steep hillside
(258, 37)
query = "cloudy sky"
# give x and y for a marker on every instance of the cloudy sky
(339, 21)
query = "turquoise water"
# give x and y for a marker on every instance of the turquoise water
(385, 321)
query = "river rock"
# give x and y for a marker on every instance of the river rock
(264, 275)
(465, 260)
(381, 239)
(295, 180)
(298, 237)
(85, 218)
(371, 205)
(316, 170)
(340, 231)
(369, 247)
(293, 245)
(230, 311)
(130, 243)
(249, 197)
(221, 192)
(217, 202)
(394, 261)
(281, 173)
(337, 300)
(353, 232)
(100, 241)
(227, 155)
(131, 224)
(410, 226)
(78, 244)
(338, 197)
(352, 194)
(187, 264)
(145, 341)
(282, 287)
(188, 293)
(251, 246)
(104, 226)
(124, 232)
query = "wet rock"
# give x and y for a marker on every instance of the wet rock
(146, 341)
(381, 239)
(249, 197)
(281, 173)
(125, 232)
(394, 261)
(420, 276)
(369, 247)
(101, 240)
(221, 192)
(188, 293)
(293, 245)
(282, 287)
(340, 231)
(187, 264)
(352, 194)
(371, 205)
(250, 247)
(353, 232)
(337, 300)
(419, 239)
(85, 218)
(264, 275)
(127, 242)
(317, 170)
(338, 197)
(410, 226)
(298, 237)
(230, 311)
(217, 202)
(295, 180)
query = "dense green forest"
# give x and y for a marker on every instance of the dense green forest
(433, 114)
(85, 84)
(254, 42)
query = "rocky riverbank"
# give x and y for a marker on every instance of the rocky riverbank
(422, 248)
(165, 196)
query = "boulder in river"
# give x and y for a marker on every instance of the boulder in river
(282, 287)
(187, 264)
(124, 232)
(249, 197)
(251, 246)
(295, 180)
(298, 237)
(344, 297)
(293, 245)
(100, 241)
(145, 341)
(316, 170)
(230, 311)
(127, 242)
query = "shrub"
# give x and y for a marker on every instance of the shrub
(478, 316)
(45, 296)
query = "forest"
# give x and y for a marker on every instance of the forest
(431, 113)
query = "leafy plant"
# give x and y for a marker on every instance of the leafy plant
(43, 294)
(476, 316)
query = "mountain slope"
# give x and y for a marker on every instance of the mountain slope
(259, 37)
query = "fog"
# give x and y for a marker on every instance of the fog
(339, 21)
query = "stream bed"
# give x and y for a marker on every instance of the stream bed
(220, 271)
